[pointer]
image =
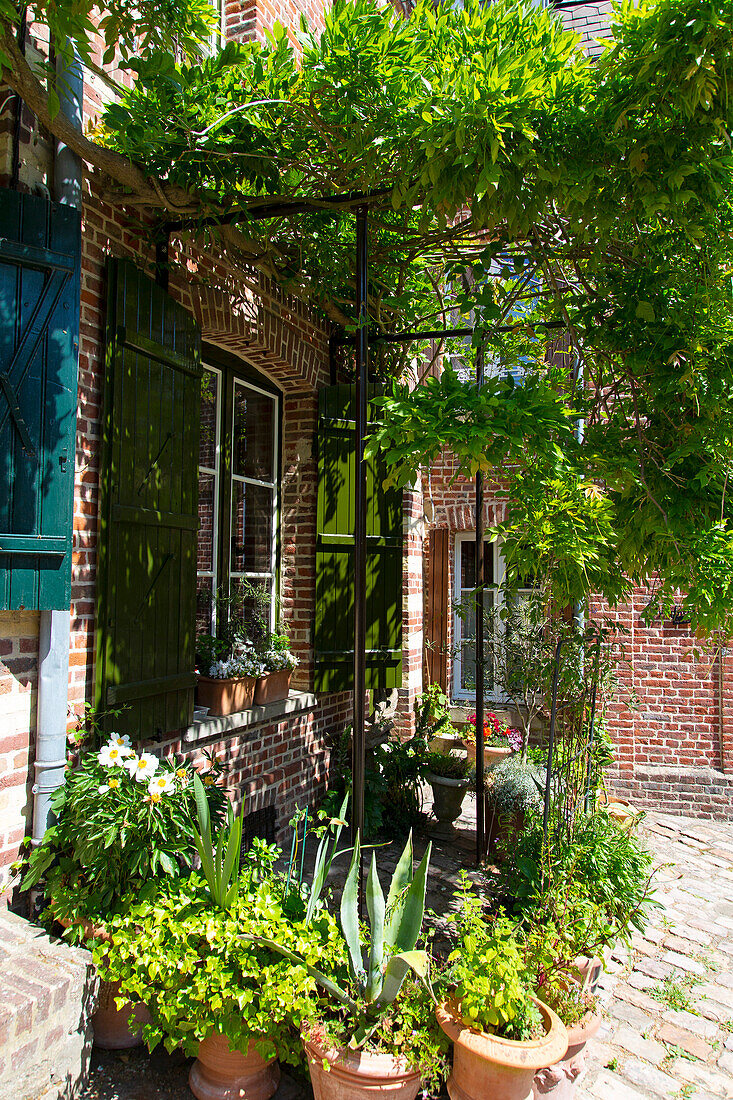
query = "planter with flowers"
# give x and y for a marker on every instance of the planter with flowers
(228, 685)
(278, 664)
(241, 1012)
(501, 1033)
(124, 820)
(500, 740)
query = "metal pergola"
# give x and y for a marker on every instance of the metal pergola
(262, 209)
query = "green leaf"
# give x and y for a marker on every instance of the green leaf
(375, 909)
(349, 913)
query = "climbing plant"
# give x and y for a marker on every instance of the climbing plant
(510, 181)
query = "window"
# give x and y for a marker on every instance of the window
(238, 490)
(464, 612)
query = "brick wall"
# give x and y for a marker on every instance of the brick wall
(590, 21)
(674, 746)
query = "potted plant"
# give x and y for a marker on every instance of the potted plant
(450, 778)
(375, 1032)
(237, 1006)
(278, 664)
(501, 1033)
(578, 1009)
(229, 683)
(512, 794)
(500, 740)
(124, 820)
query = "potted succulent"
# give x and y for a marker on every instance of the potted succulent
(450, 778)
(278, 664)
(500, 740)
(512, 794)
(228, 684)
(237, 1006)
(124, 820)
(375, 1032)
(501, 1033)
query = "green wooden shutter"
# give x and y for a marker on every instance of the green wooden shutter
(149, 508)
(334, 622)
(40, 247)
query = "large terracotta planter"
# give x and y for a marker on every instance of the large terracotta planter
(588, 972)
(357, 1074)
(486, 1067)
(559, 1082)
(493, 755)
(220, 1073)
(224, 697)
(272, 687)
(448, 796)
(110, 1024)
(501, 830)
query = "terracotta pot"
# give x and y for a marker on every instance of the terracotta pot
(448, 796)
(357, 1074)
(272, 687)
(488, 1068)
(220, 1073)
(224, 697)
(493, 755)
(561, 1080)
(110, 1024)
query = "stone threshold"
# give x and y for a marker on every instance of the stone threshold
(297, 702)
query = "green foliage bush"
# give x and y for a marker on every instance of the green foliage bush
(187, 961)
(123, 821)
(514, 788)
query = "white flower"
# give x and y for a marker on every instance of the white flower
(110, 755)
(120, 741)
(142, 767)
(162, 784)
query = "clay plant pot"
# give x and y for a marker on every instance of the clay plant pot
(110, 1024)
(272, 687)
(224, 697)
(357, 1074)
(448, 796)
(560, 1081)
(486, 1067)
(220, 1073)
(493, 755)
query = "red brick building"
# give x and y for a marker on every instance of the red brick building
(266, 359)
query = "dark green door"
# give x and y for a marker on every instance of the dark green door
(40, 246)
(334, 623)
(149, 509)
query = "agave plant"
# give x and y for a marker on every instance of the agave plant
(219, 860)
(379, 967)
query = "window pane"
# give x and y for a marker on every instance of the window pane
(252, 511)
(468, 564)
(254, 435)
(207, 445)
(207, 517)
(204, 605)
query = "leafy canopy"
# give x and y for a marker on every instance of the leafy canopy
(509, 180)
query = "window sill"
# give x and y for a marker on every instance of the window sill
(297, 702)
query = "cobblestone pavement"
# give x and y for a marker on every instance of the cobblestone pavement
(668, 1003)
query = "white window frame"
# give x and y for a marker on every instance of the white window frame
(213, 573)
(273, 485)
(492, 546)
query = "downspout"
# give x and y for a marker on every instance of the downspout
(579, 608)
(55, 626)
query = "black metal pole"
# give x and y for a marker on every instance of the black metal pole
(360, 418)
(480, 581)
(591, 733)
(18, 121)
(551, 741)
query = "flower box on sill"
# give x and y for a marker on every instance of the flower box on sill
(272, 687)
(226, 696)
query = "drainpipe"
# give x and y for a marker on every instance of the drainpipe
(55, 626)
(579, 608)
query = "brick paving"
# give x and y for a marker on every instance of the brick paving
(668, 1002)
